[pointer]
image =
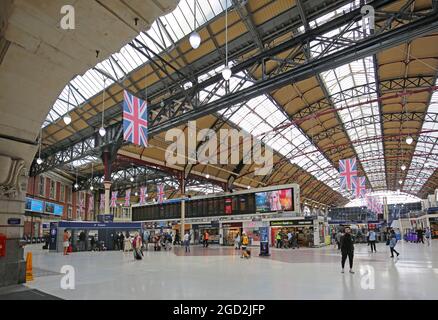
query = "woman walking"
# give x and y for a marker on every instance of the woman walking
(393, 243)
(347, 249)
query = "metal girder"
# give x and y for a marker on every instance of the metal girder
(276, 27)
(360, 49)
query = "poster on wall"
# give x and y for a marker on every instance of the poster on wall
(278, 200)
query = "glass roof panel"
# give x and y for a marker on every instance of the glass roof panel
(178, 24)
(422, 165)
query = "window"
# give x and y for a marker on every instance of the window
(41, 186)
(68, 194)
(62, 193)
(52, 192)
(69, 212)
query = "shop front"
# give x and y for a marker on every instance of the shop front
(302, 228)
(213, 232)
(229, 232)
(252, 230)
(433, 224)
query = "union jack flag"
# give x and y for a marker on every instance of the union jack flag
(128, 198)
(359, 187)
(347, 170)
(102, 201)
(81, 203)
(90, 203)
(113, 199)
(160, 193)
(143, 191)
(135, 120)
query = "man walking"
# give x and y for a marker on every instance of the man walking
(372, 240)
(187, 241)
(347, 249)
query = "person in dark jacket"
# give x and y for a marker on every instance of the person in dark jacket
(347, 249)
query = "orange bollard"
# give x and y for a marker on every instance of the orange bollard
(29, 273)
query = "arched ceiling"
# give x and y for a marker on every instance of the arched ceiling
(37, 57)
(364, 108)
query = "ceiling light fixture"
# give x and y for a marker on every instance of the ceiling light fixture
(226, 72)
(403, 167)
(400, 181)
(409, 140)
(67, 117)
(39, 160)
(195, 38)
(102, 130)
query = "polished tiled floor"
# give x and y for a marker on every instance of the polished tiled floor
(219, 273)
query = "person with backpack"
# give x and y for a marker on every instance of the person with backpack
(393, 243)
(347, 249)
(245, 242)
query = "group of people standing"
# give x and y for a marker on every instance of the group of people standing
(421, 234)
(287, 240)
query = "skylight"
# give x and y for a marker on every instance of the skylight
(424, 164)
(165, 31)
(392, 197)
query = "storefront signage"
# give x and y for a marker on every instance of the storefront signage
(14, 221)
(291, 223)
(105, 217)
(232, 225)
(432, 210)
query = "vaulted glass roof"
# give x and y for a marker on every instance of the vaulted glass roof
(163, 34)
(424, 163)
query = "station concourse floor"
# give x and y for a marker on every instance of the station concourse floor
(220, 273)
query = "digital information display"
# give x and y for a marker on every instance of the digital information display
(34, 205)
(278, 200)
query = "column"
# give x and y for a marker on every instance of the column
(13, 186)
(107, 185)
(183, 206)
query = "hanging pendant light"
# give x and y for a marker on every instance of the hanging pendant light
(403, 167)
(39, 160)
(91, 188)
(195, 38)
(136, 193)
(67, 117)
(226, 71)
(207, 176)
(409, 140)
(400, 181)
(131, 179)
(102, 130)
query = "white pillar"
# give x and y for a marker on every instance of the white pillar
(183, 217)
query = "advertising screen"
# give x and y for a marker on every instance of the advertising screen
(278, 200)
(34, 205)
(58, 210)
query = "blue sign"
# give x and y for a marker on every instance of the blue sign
(53, 234)
(34, 205)
(58, 210)
(14, 221)
(264, 241)
(100, 225)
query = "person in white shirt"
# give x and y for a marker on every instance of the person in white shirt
(187, 241)
(372, 240)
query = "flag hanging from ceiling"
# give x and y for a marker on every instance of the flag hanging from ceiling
(102, 201)
(128, 198)
(113, 199)
(143, 191)
(81, 203)
(160, 193)
(90, 203)
(135, 120)
(347, 170)
(359, 187)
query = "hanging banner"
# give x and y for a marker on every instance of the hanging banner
(143, 191)
(90, 203)
(128, 198)
(160, 193)
(347, 170)
(113, 199)
(359, 187)
(102, 202)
